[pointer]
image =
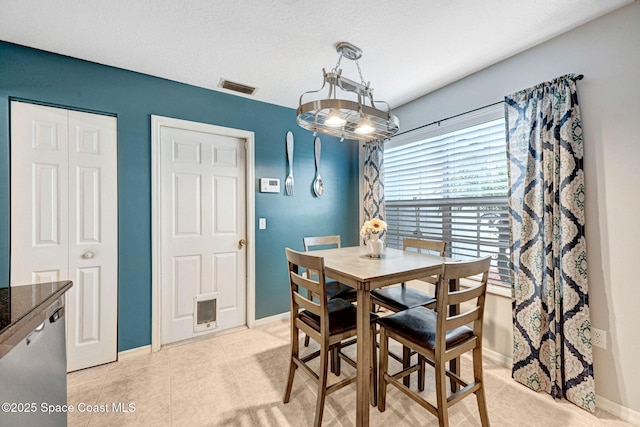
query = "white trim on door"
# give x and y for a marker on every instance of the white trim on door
(156, 123)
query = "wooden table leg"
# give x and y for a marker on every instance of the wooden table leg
(364, 355)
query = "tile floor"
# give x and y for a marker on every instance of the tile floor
(238, 379)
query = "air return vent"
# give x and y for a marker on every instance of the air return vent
(237, 87)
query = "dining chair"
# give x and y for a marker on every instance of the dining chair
(327, 321)
(439, 337)
(334, 288)
(399, 298)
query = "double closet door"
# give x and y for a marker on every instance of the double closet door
(64, 219)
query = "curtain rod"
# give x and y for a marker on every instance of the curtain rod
(578, 77)
(448, 118)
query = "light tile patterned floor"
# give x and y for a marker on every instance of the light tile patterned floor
(238, 380)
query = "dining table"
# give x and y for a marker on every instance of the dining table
(353, 267)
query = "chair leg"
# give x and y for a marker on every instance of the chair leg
(322, 385)
(287, 391)
(295, 340)
(454, 366)
(480, 395)
(335, 360)
(421, 371)
(441, 394)
(306, 340)
(482, 407)
(374, 367)
(332, 360)
(406, 362)
(384, 366)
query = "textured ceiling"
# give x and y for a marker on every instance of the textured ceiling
(411, 47)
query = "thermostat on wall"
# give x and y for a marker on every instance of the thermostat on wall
(269, 185)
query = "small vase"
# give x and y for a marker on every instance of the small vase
(374, 246)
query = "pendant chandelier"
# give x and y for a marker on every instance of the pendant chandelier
(356, 118)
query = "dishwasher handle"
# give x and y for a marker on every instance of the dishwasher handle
(35, 334)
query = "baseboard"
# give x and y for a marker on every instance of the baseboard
(271, 319)
(625, 414)
(134, 352)
(500, 358)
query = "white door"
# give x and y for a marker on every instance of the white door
(64, 219)
(202, 180)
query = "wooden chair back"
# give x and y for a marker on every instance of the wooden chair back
(436, 246)
(314, 285)
(309, 242)
(462, 314)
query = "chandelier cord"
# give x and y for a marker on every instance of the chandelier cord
(337, 67)
(360, 72)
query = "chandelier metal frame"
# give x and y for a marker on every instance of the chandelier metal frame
(356, 119)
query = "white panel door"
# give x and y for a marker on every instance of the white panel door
(203, 219)
(64, 219)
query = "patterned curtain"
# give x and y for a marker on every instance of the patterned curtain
(551, 326)
(373, 198)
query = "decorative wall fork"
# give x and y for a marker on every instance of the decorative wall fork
(288, 184)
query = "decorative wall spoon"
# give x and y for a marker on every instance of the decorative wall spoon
(318, 185)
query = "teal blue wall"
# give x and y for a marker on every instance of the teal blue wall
(58, 80)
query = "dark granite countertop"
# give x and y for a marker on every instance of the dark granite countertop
(24, 307)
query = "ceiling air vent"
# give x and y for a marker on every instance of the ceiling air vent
(237, 87)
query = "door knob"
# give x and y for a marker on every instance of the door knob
(242, 243)
(87, 255)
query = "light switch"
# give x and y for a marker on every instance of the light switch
(262, 223)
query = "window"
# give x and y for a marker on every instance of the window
(450, 183)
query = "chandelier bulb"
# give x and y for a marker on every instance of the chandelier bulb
(364, 128)
(334, 119)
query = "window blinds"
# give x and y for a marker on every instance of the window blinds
(452, 187)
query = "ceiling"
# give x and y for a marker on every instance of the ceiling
(410, 47)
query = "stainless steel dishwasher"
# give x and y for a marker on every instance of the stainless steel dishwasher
(33, 374)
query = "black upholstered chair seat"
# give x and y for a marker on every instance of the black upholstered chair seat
(338, 290)
(418, 325)
(342, 317)
(402, 298)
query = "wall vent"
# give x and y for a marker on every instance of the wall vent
(237, 87)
